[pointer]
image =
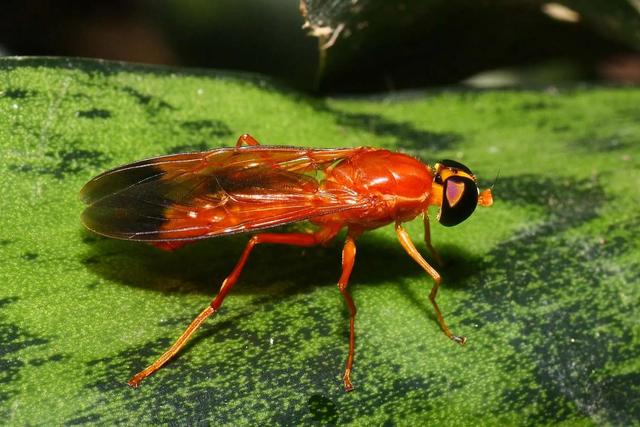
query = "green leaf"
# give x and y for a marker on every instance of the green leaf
(545, 284)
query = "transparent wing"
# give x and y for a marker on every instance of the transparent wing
(224, 191)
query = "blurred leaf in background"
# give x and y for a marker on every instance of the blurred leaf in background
(374, 44)
(362, 46)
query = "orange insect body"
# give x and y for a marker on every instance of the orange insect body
(173, 200)
(395, 187)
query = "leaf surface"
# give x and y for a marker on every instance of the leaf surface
(545, 284)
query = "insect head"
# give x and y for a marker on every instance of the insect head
(460, 192)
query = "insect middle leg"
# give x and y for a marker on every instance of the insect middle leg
(348, 259)
(294, 239)
(408, 246)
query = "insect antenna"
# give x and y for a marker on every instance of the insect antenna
(495, 180)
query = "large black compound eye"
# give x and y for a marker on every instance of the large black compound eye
(459, 200)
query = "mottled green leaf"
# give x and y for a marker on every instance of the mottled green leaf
(545, 284)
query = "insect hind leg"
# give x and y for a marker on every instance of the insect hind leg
(294, 239)
(348, 260)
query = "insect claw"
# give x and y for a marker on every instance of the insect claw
(133, 382)
(347, 383)
(459, 340)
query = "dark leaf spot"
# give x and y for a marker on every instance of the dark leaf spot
(64, 162)
(14, 339)
(42, 360)
(95, 113)
(153, 105)
(93, 285)
(84, 420)
(16, 93)
(214, 128)
(323, 409)
(30, 256)
(91, 260)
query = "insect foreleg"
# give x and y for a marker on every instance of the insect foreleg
(348, 259)
(408, 246)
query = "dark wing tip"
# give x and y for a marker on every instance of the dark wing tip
(117, 180)
(126, 176)
(124, 217)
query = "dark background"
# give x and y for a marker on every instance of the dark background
(379, 45)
